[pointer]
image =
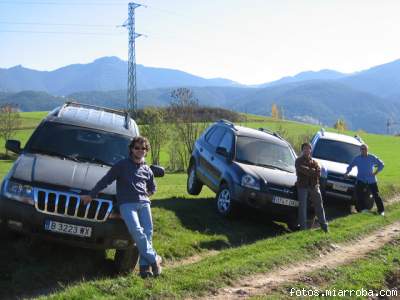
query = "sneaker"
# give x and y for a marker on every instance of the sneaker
(365, 211)
(156, 267)
(144, 271)
(382, 213)
(324, 227)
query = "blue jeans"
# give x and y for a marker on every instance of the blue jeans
(137, 217)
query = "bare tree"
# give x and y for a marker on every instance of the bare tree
(296, 140)
(187, 124)
(9, 121)
(176, 153)
(155, 130)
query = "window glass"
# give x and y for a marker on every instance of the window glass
(209, 133)
(264, 153)
(335, 151)
(227, 141)
(216, 136)
(77, 143)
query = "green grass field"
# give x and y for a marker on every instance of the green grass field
(185, 226)
(378, 272)
(32, 119)
(216, 271)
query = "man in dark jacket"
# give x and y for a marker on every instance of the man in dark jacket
(308, 173)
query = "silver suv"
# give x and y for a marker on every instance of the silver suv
(335, 152)
(71, 149)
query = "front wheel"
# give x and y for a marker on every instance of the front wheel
(125, 260)
(5, 232)
(369, 202)
(226, 206)
(193, 184)
(293, 225)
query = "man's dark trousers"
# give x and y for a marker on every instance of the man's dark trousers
(362, 190)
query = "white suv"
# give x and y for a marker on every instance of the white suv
(334, 152)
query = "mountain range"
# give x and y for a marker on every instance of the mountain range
(366, 99)
(104, 74)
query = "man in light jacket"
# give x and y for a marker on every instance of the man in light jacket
(368, 166)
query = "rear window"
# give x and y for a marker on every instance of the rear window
(335, 151)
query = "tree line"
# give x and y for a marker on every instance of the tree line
(178, 126)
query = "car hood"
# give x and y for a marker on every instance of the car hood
(273, 176)
(336, 167)
(38, 168)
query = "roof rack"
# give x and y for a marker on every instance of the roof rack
(266, 130)
(124, 113)
(358, 138)
(226, 122)
(270, 132)
(110, 110)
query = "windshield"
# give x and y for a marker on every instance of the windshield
(79, 144)
(264, 153)
(336, 151)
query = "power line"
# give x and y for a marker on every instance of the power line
(389, 125)
(55, 24)
(60, 32)
(166, 11)
(67, 4)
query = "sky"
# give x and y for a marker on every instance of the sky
(251, 42)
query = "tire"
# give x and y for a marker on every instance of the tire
(125, 260)
(3, 231)
(369, 202)
(293, 225)
(193, 184)
(226, 206)
(6, 233)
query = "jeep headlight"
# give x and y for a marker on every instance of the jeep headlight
(19, 192)
(250, 182)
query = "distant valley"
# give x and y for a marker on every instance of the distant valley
(366, 99)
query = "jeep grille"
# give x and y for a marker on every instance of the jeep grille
(70, 205)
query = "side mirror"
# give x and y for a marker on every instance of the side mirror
(158, 171)
(222, 151)
(14, 146)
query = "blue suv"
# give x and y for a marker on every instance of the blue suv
(245, 166)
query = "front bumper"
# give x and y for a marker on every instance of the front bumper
(278, 206)
(26, 219)
(337, 189)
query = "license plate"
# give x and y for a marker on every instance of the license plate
(285, 201)
(68, 228)
(339, 187)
